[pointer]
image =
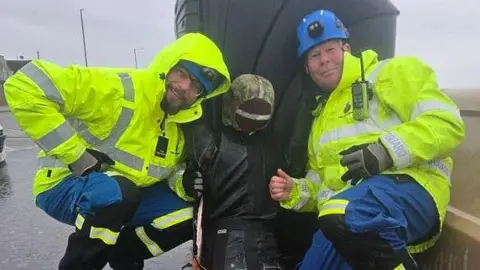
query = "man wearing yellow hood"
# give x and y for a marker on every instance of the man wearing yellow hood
(111, 146)
(379, 151)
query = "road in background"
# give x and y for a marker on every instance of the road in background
(29, 239)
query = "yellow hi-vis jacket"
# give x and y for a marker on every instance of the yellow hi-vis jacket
(114, 110)
(418, 124)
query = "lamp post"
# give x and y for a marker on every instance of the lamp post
(83, 35)
(135, 55)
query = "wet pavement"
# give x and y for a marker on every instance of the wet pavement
(29, 239)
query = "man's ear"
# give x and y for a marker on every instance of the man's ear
(346, 47)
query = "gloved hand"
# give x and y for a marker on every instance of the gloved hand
(90, 161)
(192, 182)
(365, 160)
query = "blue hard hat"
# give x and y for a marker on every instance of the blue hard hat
(209, 78)
(317, 27)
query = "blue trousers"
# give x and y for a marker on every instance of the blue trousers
(85, 195)
(399, 212)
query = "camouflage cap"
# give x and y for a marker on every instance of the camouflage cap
(244, 88)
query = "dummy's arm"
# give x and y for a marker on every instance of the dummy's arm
(200, 151)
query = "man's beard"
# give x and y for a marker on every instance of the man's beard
(168, 108)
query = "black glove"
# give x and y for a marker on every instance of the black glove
(192, 182)
(365, 160)
(90, 161)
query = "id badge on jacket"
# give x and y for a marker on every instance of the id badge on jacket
(162, 146)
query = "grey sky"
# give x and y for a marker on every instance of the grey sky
(447, 38)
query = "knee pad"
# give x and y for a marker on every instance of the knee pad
(108, 200)
(130, 193)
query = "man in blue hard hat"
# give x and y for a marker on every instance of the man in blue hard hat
(379, 162)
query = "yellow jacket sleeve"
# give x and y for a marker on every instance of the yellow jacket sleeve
(309, 194)
(175, 181)
(39, 96)
(432, 126)
(303, 197)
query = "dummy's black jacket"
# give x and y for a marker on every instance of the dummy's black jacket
(236, 168)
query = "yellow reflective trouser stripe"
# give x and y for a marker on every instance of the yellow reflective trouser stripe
(400, 267)
(112, 173)
(173, 218)
(154, 249)
(79, 222)
(104, 234)
(330, 207)
(423, 246)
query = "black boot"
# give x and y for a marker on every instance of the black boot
(79, 253)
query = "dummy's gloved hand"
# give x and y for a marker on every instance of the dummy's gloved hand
(90, 161)
(365, 160)
(193, 182)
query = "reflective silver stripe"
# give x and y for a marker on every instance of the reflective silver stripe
(56, 137)
(372, 76)
(441, 167)
(398, 149)
(126, 158)
(106, 235)
(158, 172)
(371, 125)
(324, 194)
(107, 145)
(314, 177)
(175, 177)
(253, 116)
(433, 105)
(173, 218)
(154, 249)
(44, 83)
(128, 87)
(76, 124)
(304, 194)
(50, 162)
(121, 125)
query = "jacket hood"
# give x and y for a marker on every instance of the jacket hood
(197, 48)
